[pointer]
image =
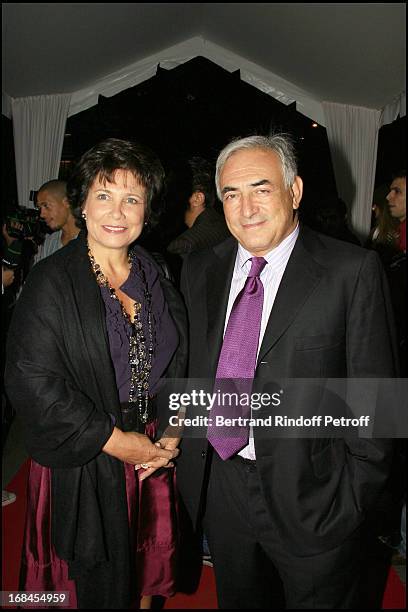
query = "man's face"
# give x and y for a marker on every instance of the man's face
(397, 199)
(53, 209)
(258, 207)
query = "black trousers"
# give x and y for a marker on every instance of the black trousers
(253, 570)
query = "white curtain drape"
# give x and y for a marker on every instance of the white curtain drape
(396, 108)
(254, 74)
(39, 128)
(352, 132)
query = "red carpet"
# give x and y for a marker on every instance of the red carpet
(395, 593)
(205, 598)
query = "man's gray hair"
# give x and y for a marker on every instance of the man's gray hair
(281, 144)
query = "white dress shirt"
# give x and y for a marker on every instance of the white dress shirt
(51, 244)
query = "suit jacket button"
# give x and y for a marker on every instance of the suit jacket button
(203, 454)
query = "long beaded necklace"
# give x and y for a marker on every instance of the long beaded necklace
(140, 355)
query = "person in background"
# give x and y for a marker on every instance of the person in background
(206, 226)
(7, 279)
(54, 208)
(191, 221)
(384, 229)
(331, 219)
(94, 330)
(14, 257)
(18, 252)
(396, 270)
(279, 301)
(397, 204)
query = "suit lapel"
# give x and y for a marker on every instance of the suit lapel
(218, 283)
(301, 276)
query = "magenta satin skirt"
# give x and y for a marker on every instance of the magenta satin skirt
(152, 516)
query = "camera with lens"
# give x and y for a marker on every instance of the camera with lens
(26, 223)
(23, 224)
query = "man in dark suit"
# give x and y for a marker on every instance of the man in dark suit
(282, 511)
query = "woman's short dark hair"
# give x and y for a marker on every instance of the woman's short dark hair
(103, 160)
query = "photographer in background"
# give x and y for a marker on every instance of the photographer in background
(11, 275)
(52, 202)
(18, 247)
(23, 245)
(22, 234)
(7, 497)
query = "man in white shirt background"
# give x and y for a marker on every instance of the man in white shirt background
(54, 208)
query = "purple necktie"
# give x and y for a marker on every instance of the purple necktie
(238, 361)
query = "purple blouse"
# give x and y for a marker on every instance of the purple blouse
(165, 336)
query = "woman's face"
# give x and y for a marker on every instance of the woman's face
(115, 212)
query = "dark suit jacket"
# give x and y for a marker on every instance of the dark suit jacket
(331, 318)
(209, 229)
(61, 382)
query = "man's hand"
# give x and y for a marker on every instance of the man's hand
(168, 443)
(7, 276)
(165, 443)
(137, 449)
(13, 224)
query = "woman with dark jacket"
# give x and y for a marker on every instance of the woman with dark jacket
(94, 330)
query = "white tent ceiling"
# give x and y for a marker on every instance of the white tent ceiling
(349, 53)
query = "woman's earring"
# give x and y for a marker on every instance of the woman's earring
(83, 215)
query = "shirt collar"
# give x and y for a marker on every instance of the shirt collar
(276, 257)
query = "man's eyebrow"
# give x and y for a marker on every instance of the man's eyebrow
(227, 188)
(261, 182)
(256, 184)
